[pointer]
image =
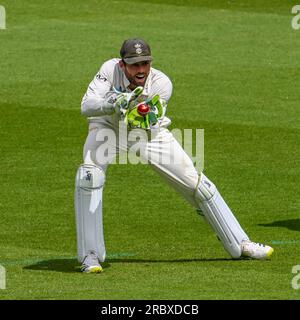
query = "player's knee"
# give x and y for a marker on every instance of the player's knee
(205, 189)
(90, 177)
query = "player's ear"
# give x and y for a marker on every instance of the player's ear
(122, 64)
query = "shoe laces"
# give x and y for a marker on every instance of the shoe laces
(253, 245)
(91, 259)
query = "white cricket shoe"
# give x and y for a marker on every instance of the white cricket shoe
(91, 263)
(256, 250)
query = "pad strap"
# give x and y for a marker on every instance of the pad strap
(90, 177)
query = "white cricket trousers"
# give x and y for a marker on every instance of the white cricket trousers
(163, 153)
(166, 156)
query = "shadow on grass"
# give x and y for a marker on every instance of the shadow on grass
(73, 266)
(291, 224)
(61, 265)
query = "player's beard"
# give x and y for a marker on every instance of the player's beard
(137, 80)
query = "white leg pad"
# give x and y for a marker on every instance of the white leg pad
(88, 207)
(220, 217)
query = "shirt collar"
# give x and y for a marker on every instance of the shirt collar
(125, 81)
(147, 86)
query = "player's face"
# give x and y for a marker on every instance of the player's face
(136, 73)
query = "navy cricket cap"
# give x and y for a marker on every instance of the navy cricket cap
(135, 50)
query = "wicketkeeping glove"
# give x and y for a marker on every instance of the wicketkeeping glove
(145, 115)
(119, 102)
(125, 100)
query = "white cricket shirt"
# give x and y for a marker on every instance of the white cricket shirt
(111, 76)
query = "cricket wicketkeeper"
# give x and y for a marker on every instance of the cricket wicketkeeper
(129, 90)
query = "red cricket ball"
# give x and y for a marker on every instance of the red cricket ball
(143, 109)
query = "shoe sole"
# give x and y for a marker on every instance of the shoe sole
(268, 256)
(270, 253)
(95, 269)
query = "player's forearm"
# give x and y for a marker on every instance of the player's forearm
(94, 106)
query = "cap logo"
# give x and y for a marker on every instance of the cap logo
(138, 48)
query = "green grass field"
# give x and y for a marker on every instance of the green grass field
(235, 70)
